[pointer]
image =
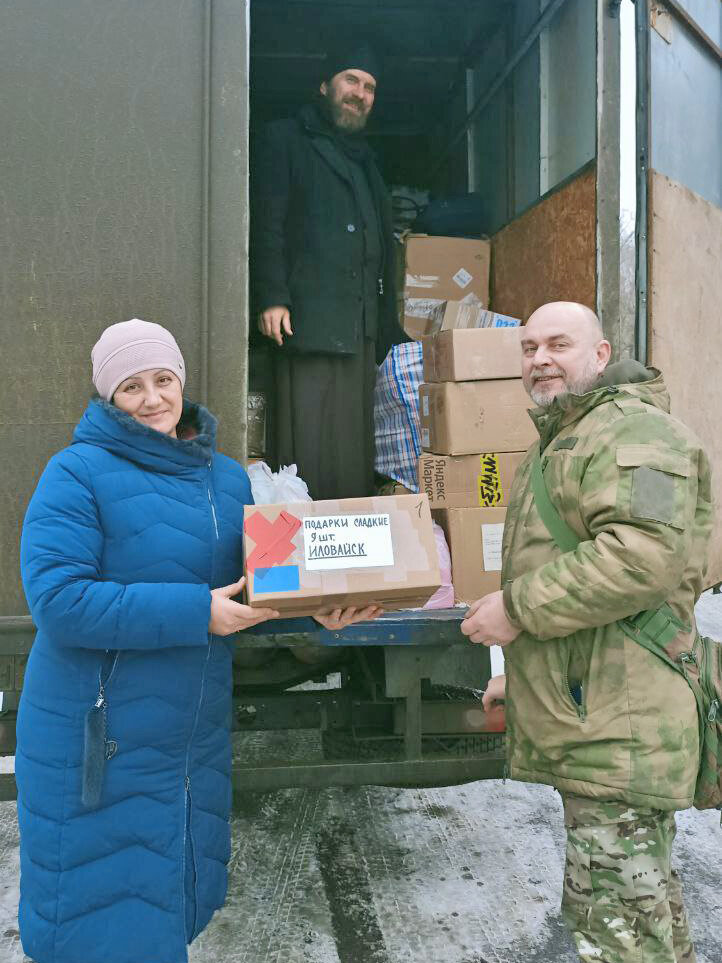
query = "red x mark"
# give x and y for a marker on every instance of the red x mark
(273, 539)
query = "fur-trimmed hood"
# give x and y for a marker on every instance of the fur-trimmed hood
(108, 427)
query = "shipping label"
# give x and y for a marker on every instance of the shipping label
(347, 541)
(422, 280)
(491, 537)
(489, 481)
(462, 278)
(425, 438)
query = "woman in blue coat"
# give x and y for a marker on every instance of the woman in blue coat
(131, 552)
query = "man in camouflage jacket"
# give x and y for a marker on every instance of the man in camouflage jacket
(589, 710)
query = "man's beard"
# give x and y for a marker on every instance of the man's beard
(345, 120)
(577, 386)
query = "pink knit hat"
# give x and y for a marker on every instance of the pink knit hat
(128, 347)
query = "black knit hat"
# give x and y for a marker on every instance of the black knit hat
(353, 57)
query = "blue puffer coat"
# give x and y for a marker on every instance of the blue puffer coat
(126, 534)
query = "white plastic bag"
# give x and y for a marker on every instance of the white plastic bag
(273, 488)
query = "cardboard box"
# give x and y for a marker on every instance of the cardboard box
(470, 314)
(422, 317)
(447, 268)
(468, 481)
(474, 537)
(466, 417)
(317, 556)
(441, 269)
(473, 355)
(425, 317)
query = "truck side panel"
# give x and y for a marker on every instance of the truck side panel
(122, 193)
(685, 340)
(684, 222)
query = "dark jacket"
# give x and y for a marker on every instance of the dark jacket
(126, 534)
(307, 239)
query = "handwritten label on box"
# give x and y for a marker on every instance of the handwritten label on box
(491, 537)
(489, 480)
(347, 541)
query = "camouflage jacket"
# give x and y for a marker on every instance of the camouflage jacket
(634, 484)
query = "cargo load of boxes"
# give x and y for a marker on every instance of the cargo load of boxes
(452, 427)
(473, 409)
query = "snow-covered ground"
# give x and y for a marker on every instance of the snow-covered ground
(465, 874)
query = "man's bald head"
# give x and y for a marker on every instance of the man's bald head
(563, 351)
(569, 314)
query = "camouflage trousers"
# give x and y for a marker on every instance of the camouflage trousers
(622, 900)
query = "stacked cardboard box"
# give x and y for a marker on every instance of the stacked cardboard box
(445, 283)
(474, 538)
(468, 481)
(472, 355)
(441, 271)
(475, 430)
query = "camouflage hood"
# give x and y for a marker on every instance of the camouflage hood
(590, 711)
(635, 379)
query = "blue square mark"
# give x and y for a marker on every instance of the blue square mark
(279, 578)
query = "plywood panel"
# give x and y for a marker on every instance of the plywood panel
(685, 337)
(549, 252)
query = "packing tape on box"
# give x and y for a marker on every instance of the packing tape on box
(422, 280)
(280, 578)
(273, 540)
(431, 309)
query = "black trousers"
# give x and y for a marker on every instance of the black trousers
(325, 420)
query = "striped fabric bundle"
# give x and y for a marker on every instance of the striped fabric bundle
(396, 414)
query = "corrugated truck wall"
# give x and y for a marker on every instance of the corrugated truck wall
(124, 194)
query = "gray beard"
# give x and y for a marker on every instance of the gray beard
(580, 386)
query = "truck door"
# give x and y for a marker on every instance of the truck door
(124, 193)
(679, 215)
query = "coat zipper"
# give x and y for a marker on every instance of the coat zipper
(213, 507)
(186, 841)
(101, 702)
(706, 672)
(581, 709)
(184, 868)
(103, 682)
(187, 807)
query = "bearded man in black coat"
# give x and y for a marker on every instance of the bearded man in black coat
(323, 278)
